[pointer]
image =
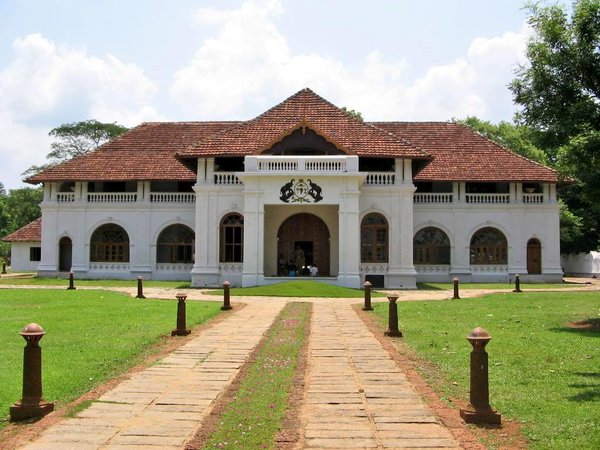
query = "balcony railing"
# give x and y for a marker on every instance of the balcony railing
(533, 198)
(112, 197)
(227, 178)
(380, 178)
(432, 197)
(487, 198)
(172, 197)
(321, 164)
(65, 197)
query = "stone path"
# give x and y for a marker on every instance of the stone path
(162, 406)
(356, 396)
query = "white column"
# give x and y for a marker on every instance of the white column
(206, 266)
(401, 271)
(349, 239)
(254, 235)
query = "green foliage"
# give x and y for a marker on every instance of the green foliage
(254, 417)
(352, 113)
(17, 209)
(515, 137)
(543, 373)
(76, 139)
(91, 336)
(559, 92)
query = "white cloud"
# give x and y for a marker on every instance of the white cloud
(46, 84)
(248, 65)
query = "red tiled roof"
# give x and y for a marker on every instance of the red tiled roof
(146, 152)
(460, 154)
(32, 232)
(304, 109)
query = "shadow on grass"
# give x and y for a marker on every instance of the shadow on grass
(590, 392)
(589, 327)
(429, 287)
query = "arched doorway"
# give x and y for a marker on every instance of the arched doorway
(65, 254)
(308, 233)
(534, 257)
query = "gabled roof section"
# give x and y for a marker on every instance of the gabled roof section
(32, 232)
(146, 152)
(350, 134)
(461, 154)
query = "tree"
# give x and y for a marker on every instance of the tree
(515, 137)
(559, 91)
(76, 139)
(352, 113)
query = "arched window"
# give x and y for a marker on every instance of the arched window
(374, 239)
(431, 246)
(488, 246)
(175, 245)
(109, 243)
(232, 238)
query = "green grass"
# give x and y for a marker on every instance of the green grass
(91, 336)
(303, 288)
(37, 281)
(492, 286)
(542, 372)
(253, 418)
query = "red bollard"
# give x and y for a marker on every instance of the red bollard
(226, 301)
(71, 282)
(367, 306)
(479, 410)
(140, 288)
(517, 283)
(181, 330)
(393, 330)
(32, 405)
(455, 280)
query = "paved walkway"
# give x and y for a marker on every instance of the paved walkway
(355, 394)
(161, 407)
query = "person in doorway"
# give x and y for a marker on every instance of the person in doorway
(299, 260)
(314, 271)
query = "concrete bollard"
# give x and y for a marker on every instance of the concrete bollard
(479, 410)
(181, 330)
(32, 405)
(71, 281)
(226, 301)
(140, 288)
(367, 306)
(455, 280)
(393, 330)
(517, 283)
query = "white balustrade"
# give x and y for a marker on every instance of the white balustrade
(112, 197)
(533, 198)
(226, 178)
(489, 268)
(432, 268)
(432, 197)
(172, 197)
(284, 163)
(65, 197)
(174, 267)
(380, 178)
(487, 198)
(109, 267)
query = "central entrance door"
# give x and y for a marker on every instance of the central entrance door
(303, 238)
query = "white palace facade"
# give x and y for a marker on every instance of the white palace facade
(302, 185)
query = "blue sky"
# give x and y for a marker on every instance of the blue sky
(142, 60)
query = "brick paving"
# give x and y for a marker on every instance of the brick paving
(161, 407)
(355, 395)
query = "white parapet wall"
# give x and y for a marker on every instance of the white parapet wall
(581, 264)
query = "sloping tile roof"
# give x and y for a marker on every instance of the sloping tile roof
(304, 109)
(146, 152)
(460, 154)
(32, 232)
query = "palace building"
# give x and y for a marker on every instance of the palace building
(304, 187)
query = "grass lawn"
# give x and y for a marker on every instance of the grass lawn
(301, 288)
(91, 336)
(254, 417)
(542, 372)
(36, 281)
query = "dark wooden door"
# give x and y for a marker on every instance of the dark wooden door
(65, 255)
(534, 257)
(308, 232)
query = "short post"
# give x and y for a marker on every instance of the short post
(32, 405)
(71, 281)
(393, 330)
(517, 283)
(367, 306)
(181, 329)
(479, 409)
(3, 267)
(140, 288)
(226, 302)
(455, 280)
